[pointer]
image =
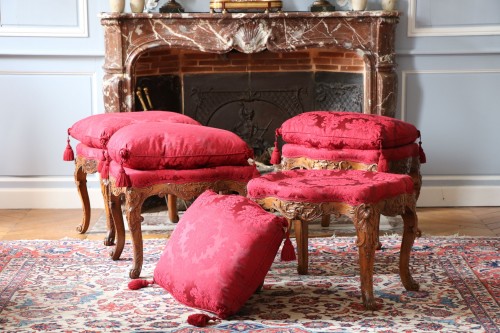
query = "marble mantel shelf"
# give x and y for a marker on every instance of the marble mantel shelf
(370, 33)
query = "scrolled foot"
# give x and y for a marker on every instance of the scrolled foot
(109, 241)
(411, 285)
(175, 219)
(80, 230)
(134, 273)
(370, 304)
(114, 254)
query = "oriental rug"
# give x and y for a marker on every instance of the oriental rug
(73, 286)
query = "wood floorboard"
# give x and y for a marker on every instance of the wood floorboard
(61, 223)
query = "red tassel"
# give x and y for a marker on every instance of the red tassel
(276, 155)
(421, 154)
(68, 155)
(288, 251)
(101, 161)
(123, 179)
(382, 165)
(200, 319)
(139, 283)
(104, 166)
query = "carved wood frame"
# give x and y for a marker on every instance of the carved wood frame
(366, 218)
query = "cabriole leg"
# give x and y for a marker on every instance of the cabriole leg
(81, 184)
(302, 236)
(410, 232)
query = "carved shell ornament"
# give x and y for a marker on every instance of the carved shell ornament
(252, 36)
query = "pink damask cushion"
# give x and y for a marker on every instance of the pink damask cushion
(339, 130)
(89, 152)
(348, 186)
(144, 178)
(95, 131)
(366, 156)
(219, 253)
(156, 146)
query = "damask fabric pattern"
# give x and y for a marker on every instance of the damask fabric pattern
(368, 156)
(96, 130)
(72, 285)
(156, 146)
(88, 152)
(143, 178)
(219, 253)
(354, 187)
(339, 130)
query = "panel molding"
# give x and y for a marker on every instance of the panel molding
(436, 193)
(414, 31)
(93, 76)
(82, 30)
(406, 73)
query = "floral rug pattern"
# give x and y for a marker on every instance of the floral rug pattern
(73, 286)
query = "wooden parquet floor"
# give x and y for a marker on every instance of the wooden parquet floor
(61, 223)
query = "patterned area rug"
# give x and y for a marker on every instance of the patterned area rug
(72, 286)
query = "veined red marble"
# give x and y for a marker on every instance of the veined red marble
(370, 33)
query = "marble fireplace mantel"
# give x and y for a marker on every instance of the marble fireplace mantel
(370, 33)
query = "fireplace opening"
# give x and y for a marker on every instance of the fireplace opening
(252, 105)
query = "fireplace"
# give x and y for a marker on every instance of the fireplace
(249, 72)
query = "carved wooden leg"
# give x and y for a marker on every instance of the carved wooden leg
(133, 204)
(366, 220)
(115, 208)
(410, 231)
(302, 236)
(325, 221)
(109, 239)
(172, 208)
(81, 184)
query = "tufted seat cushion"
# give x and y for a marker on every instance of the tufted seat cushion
(162, 145)
(354, 187)
(341, 130)
(217, 266)
(96, 130)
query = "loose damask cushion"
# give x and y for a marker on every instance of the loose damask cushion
(366, 156)
(219, 253)
(95, 131)
(161, 145)
(339, 130)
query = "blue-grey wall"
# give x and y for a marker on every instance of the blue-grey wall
(51, 54)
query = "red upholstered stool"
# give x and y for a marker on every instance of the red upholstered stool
(177, 159)
(93, 133)
(349, 140)
(304, 195)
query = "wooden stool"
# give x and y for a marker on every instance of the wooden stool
(304, 195)
(185, 184)
(165, 158)
(93, 134)
(351, 140)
